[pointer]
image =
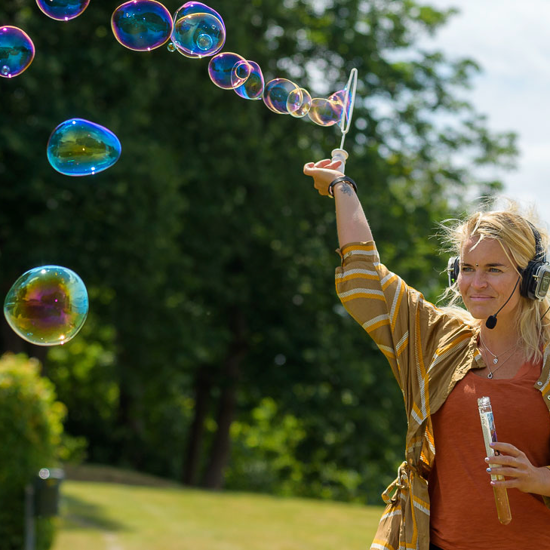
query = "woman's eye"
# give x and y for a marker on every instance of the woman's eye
(466, 269)
(495, 270)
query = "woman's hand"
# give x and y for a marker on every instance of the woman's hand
(323, 173)
(517, 468)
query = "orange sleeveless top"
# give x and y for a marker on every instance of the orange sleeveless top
(463, 513)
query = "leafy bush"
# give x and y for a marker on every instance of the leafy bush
(30, 435)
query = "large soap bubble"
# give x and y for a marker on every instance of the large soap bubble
(63, 10)
(229, 70)
(254, 86)
(16, 51)
(276, 95)
(325, 112)
(78, 147)
(198, 34)
(142, 25)
(47, 305)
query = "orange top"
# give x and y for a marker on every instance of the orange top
(463, 512)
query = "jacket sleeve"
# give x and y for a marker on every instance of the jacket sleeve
(406, 328)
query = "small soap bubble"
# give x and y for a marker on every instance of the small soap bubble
(325, 112)
(16, 51)
(253, 88)
(229, 70)
(47, 305)
(298, 102)
(276, 95)
(171, 48)
(78, 147)
(142, 25)
(63, 10)
(198, 35)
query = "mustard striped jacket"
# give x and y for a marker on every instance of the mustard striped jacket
(429, 351)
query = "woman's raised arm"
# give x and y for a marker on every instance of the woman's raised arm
(350, 217)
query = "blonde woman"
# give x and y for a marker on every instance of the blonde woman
(444, 359)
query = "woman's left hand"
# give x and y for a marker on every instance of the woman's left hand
(519, 471)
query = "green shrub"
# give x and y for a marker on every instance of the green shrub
(30, 436)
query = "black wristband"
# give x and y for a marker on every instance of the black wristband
(340, 180)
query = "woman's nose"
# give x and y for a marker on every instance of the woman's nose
(479, 280)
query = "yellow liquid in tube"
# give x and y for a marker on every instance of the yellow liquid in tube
(490, 436)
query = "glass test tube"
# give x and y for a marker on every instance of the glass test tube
(490, 436)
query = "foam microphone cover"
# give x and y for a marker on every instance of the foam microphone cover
(491, 322)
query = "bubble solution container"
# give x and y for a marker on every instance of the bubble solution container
(490, 436)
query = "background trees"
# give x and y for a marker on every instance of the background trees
(208, 256)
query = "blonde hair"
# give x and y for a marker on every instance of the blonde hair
(514, 230)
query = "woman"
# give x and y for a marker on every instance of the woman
(444, 359)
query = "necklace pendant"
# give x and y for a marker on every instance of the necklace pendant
(495, 360)
(490, 375)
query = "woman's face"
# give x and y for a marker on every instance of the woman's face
(487, 279)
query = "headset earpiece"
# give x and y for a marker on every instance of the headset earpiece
(453, 269)
(535, 278)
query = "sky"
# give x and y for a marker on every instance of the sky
(510, 39)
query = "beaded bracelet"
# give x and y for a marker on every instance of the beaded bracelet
(340, 180)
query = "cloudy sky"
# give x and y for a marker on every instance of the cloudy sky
(510, 39)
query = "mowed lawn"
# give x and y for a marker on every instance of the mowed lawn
(116, 516)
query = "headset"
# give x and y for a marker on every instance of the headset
(535, 278)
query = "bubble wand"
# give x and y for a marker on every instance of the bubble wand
(341, 154)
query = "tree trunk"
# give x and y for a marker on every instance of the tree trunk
(203, 387)
(220, 452)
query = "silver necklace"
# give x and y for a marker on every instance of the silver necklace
(492, 372)
(495, 357)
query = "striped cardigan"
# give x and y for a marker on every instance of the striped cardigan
(429, 351)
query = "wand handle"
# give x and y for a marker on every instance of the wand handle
(340, 155)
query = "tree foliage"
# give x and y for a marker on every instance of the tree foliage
(30, 430)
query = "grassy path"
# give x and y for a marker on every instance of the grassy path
(112, 516)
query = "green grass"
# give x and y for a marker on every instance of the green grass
(117, 516)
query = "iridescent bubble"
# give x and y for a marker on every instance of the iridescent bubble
(276, 94)
(298, 102)
(47, 305)
(253, 88)
(63, 10)
(229, 70)
(343, 98)
(325, 112)
(78, 147)
(142, 25)
(16, 51)
(198, 34)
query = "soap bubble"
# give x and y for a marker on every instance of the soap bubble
(47, 305)
(198, 34)
(203, 33)
(276, 94)
(63, 10)
(142, 25)
(78, 147)
(16, 51)
(229, 70)
(343, 97)
(325, 112)
(298, 102)
(253, 88)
